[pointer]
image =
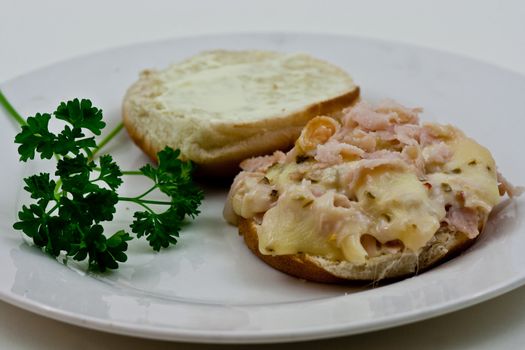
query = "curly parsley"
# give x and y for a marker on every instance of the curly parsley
(68, 209)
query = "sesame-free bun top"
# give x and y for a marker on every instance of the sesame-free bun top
(220, 107)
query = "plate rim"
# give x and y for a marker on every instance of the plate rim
(396, 42)
(259, 337)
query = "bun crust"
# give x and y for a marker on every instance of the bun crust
(444, 245)
(216, 141)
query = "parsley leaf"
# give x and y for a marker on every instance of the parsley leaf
(172, 177)
(102, 252)
(161, 230)
(70, 209)
(110, 172)
(82, 115)
(70, 141)
(40, 187)
(100, 204)
(35, 136)
(32, 219)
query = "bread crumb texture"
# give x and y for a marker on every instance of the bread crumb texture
(220, 107)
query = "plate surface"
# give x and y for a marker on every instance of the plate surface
(210, 288)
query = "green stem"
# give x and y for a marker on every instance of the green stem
(11, 110)
(106, 139)
(57, 193)
(145, 207)
(144, 201)
(52, 209)
(147, 192)
(126, 172)
(132, 172)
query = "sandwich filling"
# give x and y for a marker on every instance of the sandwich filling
(374, 181)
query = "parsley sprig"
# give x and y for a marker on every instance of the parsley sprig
(69, 208)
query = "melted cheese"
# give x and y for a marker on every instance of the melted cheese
(400, 206)
(290, 227)
(471, 171)
(391, 203)
(395, 205)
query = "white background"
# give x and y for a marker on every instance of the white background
(36, 33)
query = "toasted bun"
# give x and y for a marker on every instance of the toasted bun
(444, 245)
(221, 107)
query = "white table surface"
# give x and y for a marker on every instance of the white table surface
(36, 33)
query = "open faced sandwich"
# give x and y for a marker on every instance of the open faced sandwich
(369, 196)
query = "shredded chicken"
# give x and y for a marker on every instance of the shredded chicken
(438, 153)
(506, 187)
(464, 220)
(262, 163)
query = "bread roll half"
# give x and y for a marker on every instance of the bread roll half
(220, 107)
(444, 245)
(369, 196)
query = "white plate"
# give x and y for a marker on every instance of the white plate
(209, 288)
